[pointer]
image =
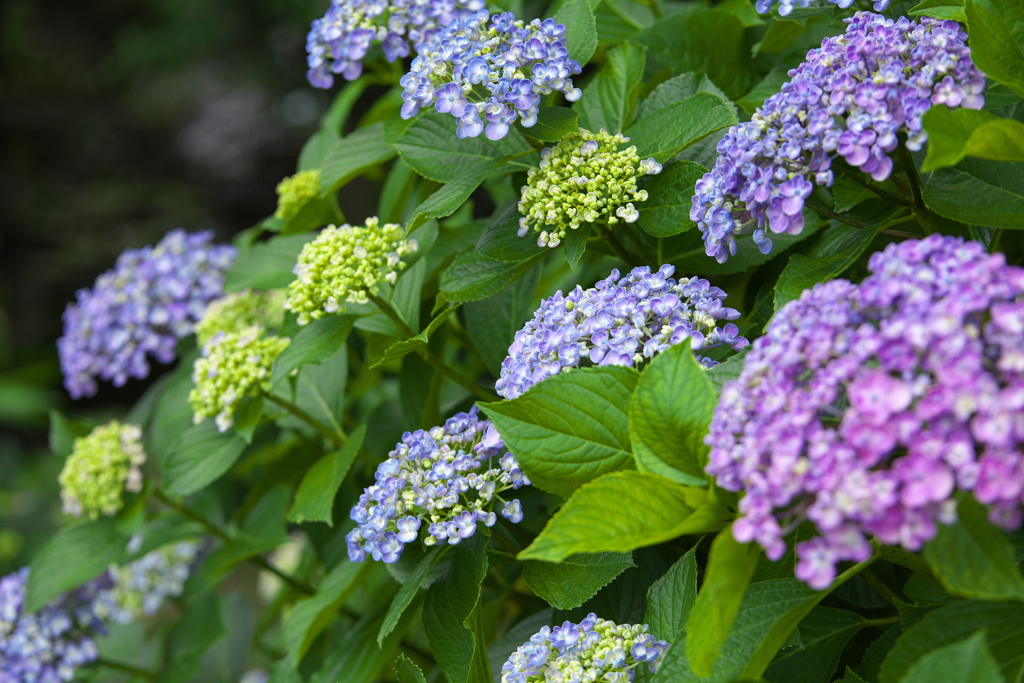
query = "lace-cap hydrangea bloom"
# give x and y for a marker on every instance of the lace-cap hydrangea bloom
(582, 179)
(786, 7)
(101, 466)
(234, 311)
(150, 300)
(593, 650)
(296, 191)
(338, 42)
(852, 98)
(864, 408)
(620, 321)
(344, 265)
(447, 479)
(49, 645)
(233, 366)
(141, 587)
(488, 75)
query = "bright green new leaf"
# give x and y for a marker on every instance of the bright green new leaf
(968, 660)
(570, 583)
(314, 501)
(940, 9)
(957, 133)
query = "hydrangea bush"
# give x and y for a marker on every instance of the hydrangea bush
(506, 428)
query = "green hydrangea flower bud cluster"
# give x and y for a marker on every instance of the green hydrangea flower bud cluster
(234, 365)
(241, 309)
(100, 467)
(582, 179)
(296, 191)
(344, 265)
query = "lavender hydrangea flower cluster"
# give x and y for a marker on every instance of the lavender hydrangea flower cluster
(47, 646)
(853, 97)
(447, 477)
(593, 650)
(338, 41)
(150, 300)
(864, 408)
(141, 587)
(619, 321)
(786, 7)
(515, 63)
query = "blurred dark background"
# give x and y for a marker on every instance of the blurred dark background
(120, 120)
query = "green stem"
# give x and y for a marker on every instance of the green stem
(903, 558)
(882, 621)
(126, 668)
(829, 213)
(305, 417)
(924, 217)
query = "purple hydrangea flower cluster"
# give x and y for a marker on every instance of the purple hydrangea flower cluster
(338, 41)
(446, 477)
(853, 97)
(620, 321)
(786, 7)
(864, 408)
(47, 646)
(151, 299)
(515, 63)
(593, 650)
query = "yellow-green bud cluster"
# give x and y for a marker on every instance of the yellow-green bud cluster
(583, 179)
(241, 309)
(344, 265)
(100, 467)
(295, 191)
(234, 365)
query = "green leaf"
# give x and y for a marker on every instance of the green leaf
(610, 98)
(500, 240)
(314, 501)
(472, 276)
(407, 672)
(974, 559)
(666, 131)
(940, 9)
(315, 213)
(353, 154)
(310, 616)
(667, 209)
(405, 595)
(248, 417)
(576, 244)
(72, 556)
(199, 628)
(677, 89)
(730, 567)
(199, 457)
(658, 510)
(266, 265)
(824, 634)
(493, 322)
(996, 28)
(671, 598)
(571, 582)
(978, 192)
(580, 29)
(779, 37)
(957, 133)
(407, 346)
(1003, 621)
(452, 195)
(570, 428)
(64, 431)
(803, 272)
(314, 344)
(968, 660)
(553, 123)
(262, 531)
(669, 415)
(454, 641)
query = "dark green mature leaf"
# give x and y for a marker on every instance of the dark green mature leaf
(406, 594)
(571, 582)
(72, 556)
(199, 628)
(500, 240)
(452, 195)
(957, 133)
(996, 28)
(248, 416)
(803, 272)
(199, 457)
(669, 415)
(64, 431)
(974, 559)
(730, 567)
(266, 265)
(320, 391)
(407, 346)
(317, 342)
(940, 9)
(472, 276)
(968, 660)
(979, 192)
(452, 602)
(677, 89)
(493, 322)
(569, 429)
(1002, 621)
(314, 501)
(500, 650)
(353, 154)
(666, 131)
(667, 209)
(658, 510)
(580, 29)
(824, 633)
(315, 213)
(553, 123)
(671, 598)
(610, 98)
(262, 531)
(407, 672)
(310, 616)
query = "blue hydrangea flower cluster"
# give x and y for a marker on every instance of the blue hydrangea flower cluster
(852, 98)
(49, 645)
(140, 588)
(593, 650)
(447, 478)
(864, 409)
(338, 42)
(151, 299)
(786, 7)
(515, 63)
(620, 321)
